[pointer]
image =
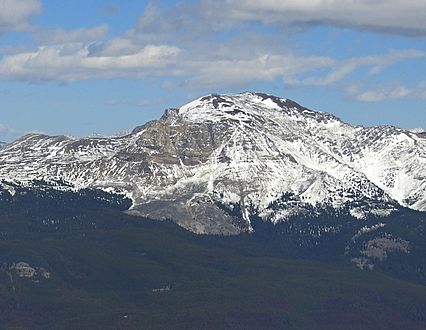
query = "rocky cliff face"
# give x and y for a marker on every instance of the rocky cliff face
(216, 162)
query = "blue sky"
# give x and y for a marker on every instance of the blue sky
(103, 67)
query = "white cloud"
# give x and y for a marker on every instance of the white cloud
(182, 22)
(128, 102)
(236, 71)
(14, 14)
(394, 91)
(75, 62)
(406, 17)
(175, 44)
(383, 93)
(4, 129)
(117, 46)
(60, 36)
(341, 69)
(420, 90)
(196, 66)
(7, 133)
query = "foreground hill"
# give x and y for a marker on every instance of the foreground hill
(74, 260)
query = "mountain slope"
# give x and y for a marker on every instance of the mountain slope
(73, 260)
(217, 162)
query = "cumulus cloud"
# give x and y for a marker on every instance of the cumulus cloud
(75, 62)
(117, 46)
(181, 20)
(236, 71)
(394, 91)
(405, 17)
(195, 66)
(15, 14)
(292, 69)
(174, 43)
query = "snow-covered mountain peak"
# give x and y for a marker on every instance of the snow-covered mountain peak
(245, 102)
(251, 153)
(246, 108)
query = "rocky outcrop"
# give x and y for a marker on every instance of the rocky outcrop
(25, 270)
(378, 249)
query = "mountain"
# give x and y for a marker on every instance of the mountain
(219, 162)
(2, 144)
(319, 205)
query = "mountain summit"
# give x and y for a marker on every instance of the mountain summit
(215, 163)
